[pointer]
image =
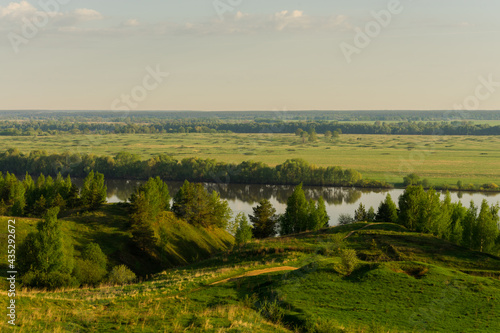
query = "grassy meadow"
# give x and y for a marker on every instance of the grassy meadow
(440, 159)
(403, 282)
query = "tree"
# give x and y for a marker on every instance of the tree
(93, 192)
(409, 206)
(318, 217)
(345, 219)
(264, 220)
(313, 137)
(411, 179)
(121, 275)
(91, 269)
(46, 256)
(370, 215)
(195, 205)
(387, 211)
(244, 231)
(486, 227)
(296, 214)
(361, 214)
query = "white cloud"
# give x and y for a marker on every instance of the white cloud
(15, 14)
(16, 10)
(131, 23)
(84, 14)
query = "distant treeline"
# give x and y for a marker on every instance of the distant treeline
(279, 115)
(125, 165)
(55, 127)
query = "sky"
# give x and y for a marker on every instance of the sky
(241, 55)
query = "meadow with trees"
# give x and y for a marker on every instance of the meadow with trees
(184, 261)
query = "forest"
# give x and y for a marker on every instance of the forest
(129, 166)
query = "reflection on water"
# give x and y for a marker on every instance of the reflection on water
(339, 200)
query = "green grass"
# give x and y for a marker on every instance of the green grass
(404, 282)
(109, 227)
(442, 160)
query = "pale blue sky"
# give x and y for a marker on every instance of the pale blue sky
(260, 55)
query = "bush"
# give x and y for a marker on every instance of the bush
(348, 261)
(121, 275)
(51, 281)
(88, 272)
(272, 311)
(345, 219)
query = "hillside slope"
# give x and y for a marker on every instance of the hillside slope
(404, 282)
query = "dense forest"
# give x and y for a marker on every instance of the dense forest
(129, 166)
(397, 123)
(477, 228)
(32, 127)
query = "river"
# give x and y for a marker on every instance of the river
(242, 198)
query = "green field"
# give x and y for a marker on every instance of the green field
(404, 282)
(440, 159)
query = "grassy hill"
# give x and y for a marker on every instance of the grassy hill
(403, 282)
(109, 227)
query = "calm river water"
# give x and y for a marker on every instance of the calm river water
(338, 200)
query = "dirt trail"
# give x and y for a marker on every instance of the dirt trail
(257, 272)
(366, 226)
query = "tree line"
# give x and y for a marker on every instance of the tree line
(33, 198)
(125, 165)
(203, 125)
(474, 227)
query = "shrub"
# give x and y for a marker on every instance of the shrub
(121, 275)
(88, 272)
(273, 311)
(348, 261)
(345, 219)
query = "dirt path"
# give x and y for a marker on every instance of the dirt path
(366, 226)
(257, 272)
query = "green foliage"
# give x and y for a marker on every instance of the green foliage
(301, 215)
(194, 204)
(348, 261)
(411, 179)
(387, 211)
(46, 254)
(296, 214)
(360, 214)
(93, 192)
(91, 269)
(244, 232)
(121, 275)
(424, 211)
(264, 220)
(345, 219)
